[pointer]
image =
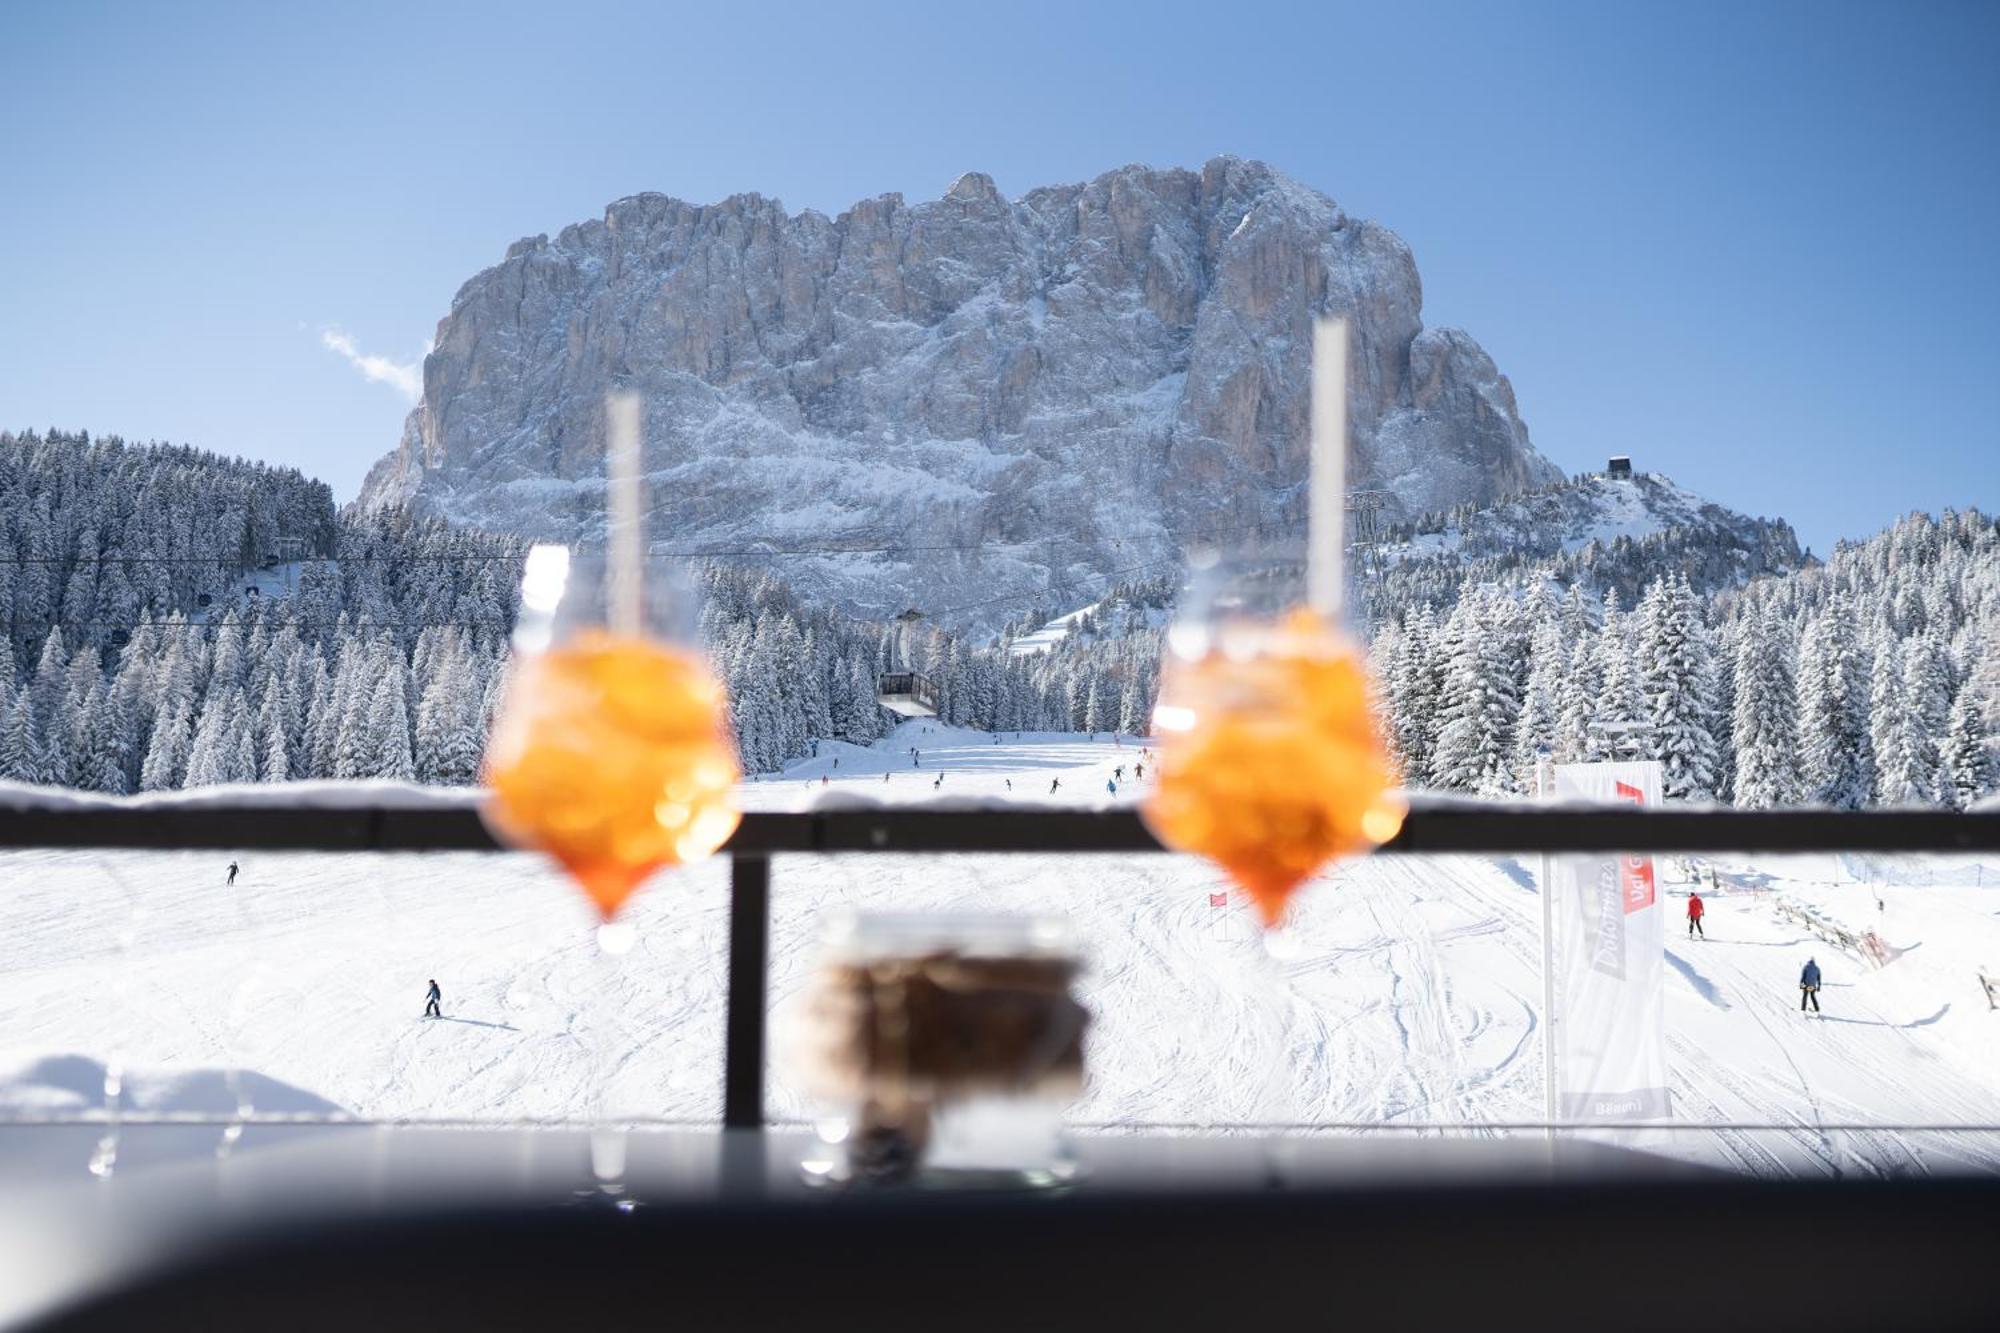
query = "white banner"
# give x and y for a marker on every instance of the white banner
(1611, 947)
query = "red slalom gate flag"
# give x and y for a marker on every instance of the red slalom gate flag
(1218, 899)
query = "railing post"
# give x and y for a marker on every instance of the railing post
(749, 965)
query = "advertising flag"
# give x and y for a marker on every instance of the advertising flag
(1611, 953)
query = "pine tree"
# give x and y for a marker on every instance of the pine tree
(389, 731)
(1414, 691)
(1099, 713)
(19, 761)
(1576, 703)
(1970, 770)
(166, 757)
(1885, 702)
(1835, 755)
(1765, 721)
(448, 742)
(1475, 743)
(1911, 771)
(273, 751)
(1620, 722)
(1675, 684)
(1131, 713)
(211, 758)
(1535, 733)
(48, 686)
(243, 757)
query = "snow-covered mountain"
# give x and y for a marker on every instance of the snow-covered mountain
(1596, 532)
(1073, 382)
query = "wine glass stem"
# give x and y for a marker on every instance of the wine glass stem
(607, 1140)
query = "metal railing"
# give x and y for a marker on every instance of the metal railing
(1430, 828)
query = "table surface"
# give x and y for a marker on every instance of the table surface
(65, 1233)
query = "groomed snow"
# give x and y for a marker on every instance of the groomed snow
(1406, 991)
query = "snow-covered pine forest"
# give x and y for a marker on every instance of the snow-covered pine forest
(180, 619)
(1870, 679)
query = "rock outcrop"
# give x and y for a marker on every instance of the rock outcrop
(1078, 382)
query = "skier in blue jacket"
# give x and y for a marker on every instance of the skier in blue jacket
(1809, 986)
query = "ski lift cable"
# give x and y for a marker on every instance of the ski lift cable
(273, 623)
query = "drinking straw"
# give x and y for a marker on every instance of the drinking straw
(1328, 494)
(621, 463)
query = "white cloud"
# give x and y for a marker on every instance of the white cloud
(405, 378)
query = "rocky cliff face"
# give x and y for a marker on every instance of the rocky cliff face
(1077, 382)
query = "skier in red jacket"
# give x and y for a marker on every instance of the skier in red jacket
(1695, 910)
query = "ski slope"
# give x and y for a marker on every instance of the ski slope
(1406, 991)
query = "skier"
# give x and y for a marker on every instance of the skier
(822, 779)
(1809, 986)
(885, 777)
(232, 875)
(431, 1009)
(916, 759)
(1010, 784)
(836, 761)
(938, 783)
(1053, 784)
(1138, 771)
(1695, 910)
(1111, 786)
(1118, 773)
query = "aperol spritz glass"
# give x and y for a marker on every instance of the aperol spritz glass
(610, 752)
(1271, 761)
(611, 749)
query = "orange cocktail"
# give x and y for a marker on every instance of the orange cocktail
(1271, 762)
(611, 754)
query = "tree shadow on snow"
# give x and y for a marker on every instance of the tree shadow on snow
(1702, 985)
(1878, 1023)
(79, 1079)
(1768, 944)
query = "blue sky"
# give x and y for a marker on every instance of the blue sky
(1750, 244)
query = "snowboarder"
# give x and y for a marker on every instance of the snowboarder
(1695, 910)
(1053, 784)
(1809, 986)
(232, 875)
(431, 999)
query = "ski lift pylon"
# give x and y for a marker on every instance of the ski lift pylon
(902, 689)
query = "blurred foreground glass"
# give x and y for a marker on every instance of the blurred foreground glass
(945, 1047)
(611, 753)
(610, 750)
(1271, 760)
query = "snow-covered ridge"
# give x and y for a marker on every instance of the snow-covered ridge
(1565, 519)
